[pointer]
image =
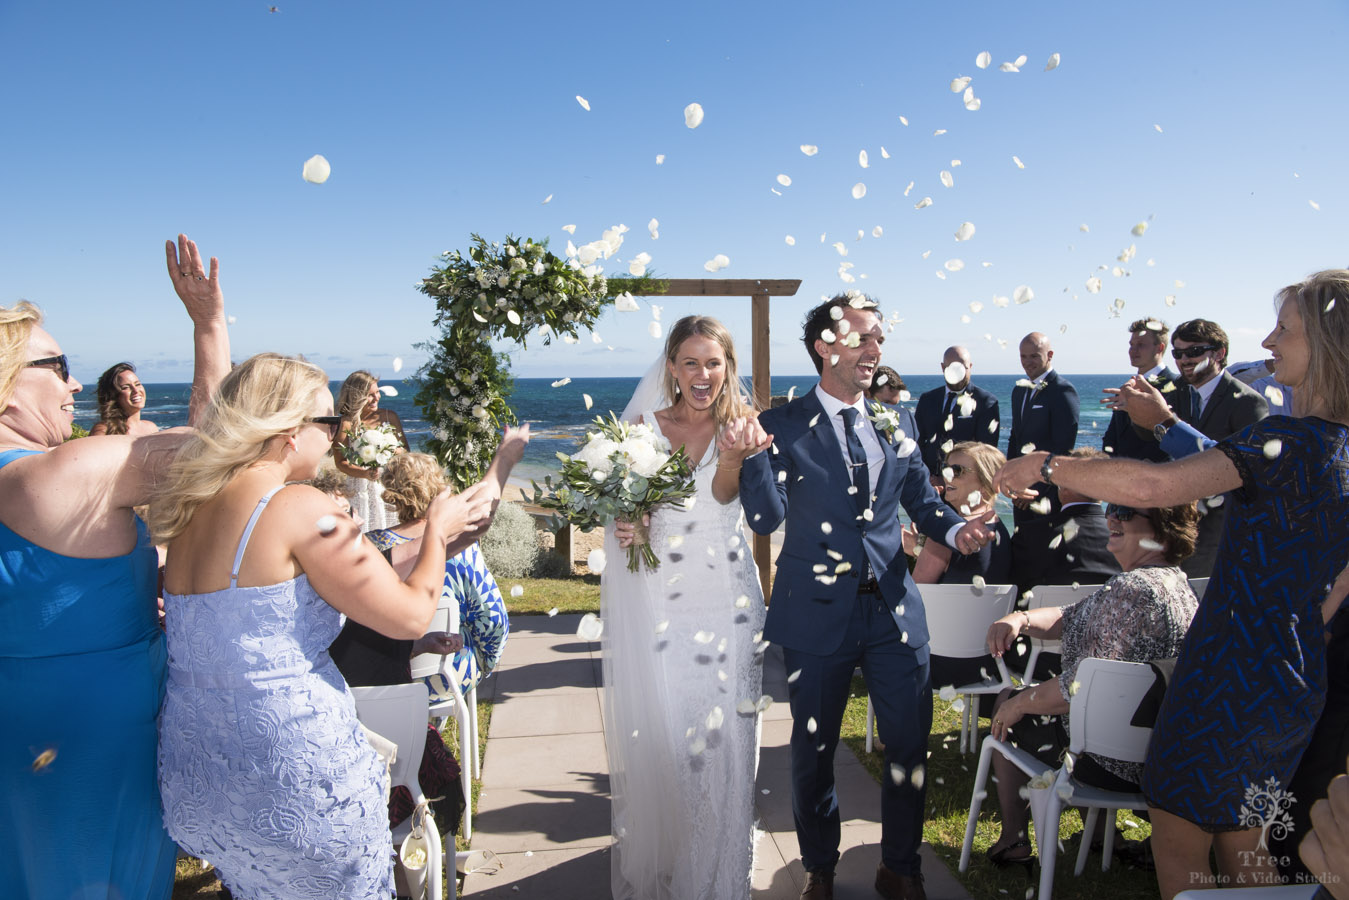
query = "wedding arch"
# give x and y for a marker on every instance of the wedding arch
(516, 289)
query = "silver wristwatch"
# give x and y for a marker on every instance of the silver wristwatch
(1161, 428)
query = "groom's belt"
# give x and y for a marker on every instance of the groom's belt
(869, 587)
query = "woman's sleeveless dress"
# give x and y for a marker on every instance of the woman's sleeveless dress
(81, 677)
(263, 767)
(683, 680)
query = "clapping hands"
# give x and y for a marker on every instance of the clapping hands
(740, 439)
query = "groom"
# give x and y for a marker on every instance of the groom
(842, 596)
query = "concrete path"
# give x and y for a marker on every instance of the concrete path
(544, 807)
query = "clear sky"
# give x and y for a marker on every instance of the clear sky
(125, 123)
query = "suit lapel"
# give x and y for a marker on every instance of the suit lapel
(823, 432)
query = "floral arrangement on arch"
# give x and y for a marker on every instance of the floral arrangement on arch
(507, 290)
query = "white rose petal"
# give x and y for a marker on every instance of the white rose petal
(1138, 229)
(693, 115)
(1019, 163)
(809, 149)
(625, 302)
(1023, 294)
(1272, 448)
(1093, 285)
(983, 60)
(660, 159)
(517, 591)
(596, 560)
(1314, 204)
(884, 153)
(1053, 62)
(546, 200)
(1008, 67)
(585, 104)
(398, 363)
(811, 725)
(389, 390)
(714, 719)
(791, 241)
(562, 382)
(653, 329)
(316, 170)
(877, 231)
(590, 628)
(955, 373)
(938, 132)
(946, 178)
(959, 84)
(588, 402)
(965, 231)
(954, 265)
(923, 204)
(859, 191)
(1159, 128)
(326, 524)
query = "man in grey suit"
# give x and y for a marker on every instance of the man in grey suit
(1219, 406)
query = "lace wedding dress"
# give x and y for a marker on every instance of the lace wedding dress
(682, 681)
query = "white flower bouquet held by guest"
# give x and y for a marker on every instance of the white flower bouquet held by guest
(624, 471)
(372, 448)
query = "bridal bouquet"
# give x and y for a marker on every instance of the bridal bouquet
(372, 448)
(623, 472)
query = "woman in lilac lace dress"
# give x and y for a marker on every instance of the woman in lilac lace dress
(263, 767)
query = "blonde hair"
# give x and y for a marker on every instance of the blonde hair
(1323, 301)
(265, 396)
(411, 481)
(986, 459)
(16, 330)
(354, 395)
(731, 403)
(330, 481)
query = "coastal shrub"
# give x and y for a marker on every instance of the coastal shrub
(511, 546)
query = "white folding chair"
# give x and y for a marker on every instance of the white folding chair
(1199, 585)
(398, 713)
(1051, 595)
(958, 616)
(453, 703)
(1108, 693)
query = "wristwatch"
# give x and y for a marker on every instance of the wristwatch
(1046, 473)
(1161, 428)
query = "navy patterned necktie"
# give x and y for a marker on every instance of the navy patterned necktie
(857, 456)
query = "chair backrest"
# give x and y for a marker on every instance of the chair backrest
(1108, 693)
(1044, 595)
(397, 712)
(1199, 585)
(958, 616)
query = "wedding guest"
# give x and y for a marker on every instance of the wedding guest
(1219, 406)
(1044, 413)
(1147, 354)
(968, 475)
(1259, 632)
(1259, 376)
(888, 387)
(960, 411)
(333, 483)
(1138, 615)
(358, 405)
(121, 397)
(81, 810)
(258, 572)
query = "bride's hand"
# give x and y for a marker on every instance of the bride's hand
(741, 439)
(626, 531)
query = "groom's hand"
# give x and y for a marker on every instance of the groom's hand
(973, 537)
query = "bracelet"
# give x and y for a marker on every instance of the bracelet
(737, 466)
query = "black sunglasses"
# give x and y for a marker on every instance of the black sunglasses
(1194, 352)
(1122, 513)
(331, 421)
(957, 471)
(58, 364)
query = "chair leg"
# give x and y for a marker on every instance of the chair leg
(1049, 849)
(976, 801)
(436, 864)
(472, 700)
(871, 722)
(1108, 852)
(466, 767)
(1088, 829)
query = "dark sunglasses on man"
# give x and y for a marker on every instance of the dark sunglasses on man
(58, 364)
(1194, 352)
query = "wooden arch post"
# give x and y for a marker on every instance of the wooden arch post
(759, 291)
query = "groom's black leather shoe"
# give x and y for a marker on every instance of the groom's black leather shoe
(893, 886)
(819, 886)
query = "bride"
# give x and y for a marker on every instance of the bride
(682, 667)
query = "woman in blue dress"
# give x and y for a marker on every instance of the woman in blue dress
(1251, 679)
(263, 767)
(81, 655)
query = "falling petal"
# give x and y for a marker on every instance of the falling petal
(826, 528)
(654, 228)
(784, 180)
(791, 241)
(811, 725)
(954, 373)
(660, 159)
(230, 320)
(965, 231)
(884, 154)
(809, 149)
(316, 170)
(925, 202)
(1053, 62)
(1314, 204)
(596, 560)
(570, 229)
(517, 591)
(1083, 228)
(954, 265)
(1272, 448)
(1159, 128)
(662, 625)
(590, 628)
(1021, 165)
(907, 189)
(1008, 67)
(903, 121)
(977, 307)
(1019, 61)
(326, 524)
(653, 329)
(959, 84)
(859, 191)
(588, 402)
(1138, 229)
(398, 363)
(693, 115)
(562, 382)
(939, 132)
(972, 103)
(1093, 285)
(704, 637)
(1023, 294)
(585, 104)
(546, 200)
(946, 178)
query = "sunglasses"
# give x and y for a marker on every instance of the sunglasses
(957, 471)
(1194, 352)
(58, 364)
(331, 421)
(1124, 513)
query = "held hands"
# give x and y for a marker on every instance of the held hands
(200, 293)
(1140, 400)
(468, 512)
(626, 531)
(972, 537)
(440, 642)
(1017, 475)
(741, 439)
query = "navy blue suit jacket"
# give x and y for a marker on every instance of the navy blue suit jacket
(1050, 419)
(803, 480)
(1125, 439)
(980, 425)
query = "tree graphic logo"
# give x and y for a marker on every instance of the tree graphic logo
(1266, 808)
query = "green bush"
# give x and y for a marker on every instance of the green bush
(511, 545)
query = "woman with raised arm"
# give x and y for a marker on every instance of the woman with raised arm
(257, 574)
(81, 654)
(1251, 679)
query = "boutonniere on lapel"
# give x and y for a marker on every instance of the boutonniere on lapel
(886, 421)
(1035, 386)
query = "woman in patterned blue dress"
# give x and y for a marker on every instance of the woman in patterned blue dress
(263, 767)
(1251, 679)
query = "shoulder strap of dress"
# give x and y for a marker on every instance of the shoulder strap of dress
(248, 532)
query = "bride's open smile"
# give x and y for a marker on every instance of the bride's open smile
(699, 371)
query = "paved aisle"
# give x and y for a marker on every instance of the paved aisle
(544, 807)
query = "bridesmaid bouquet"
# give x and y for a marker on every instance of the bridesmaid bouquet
(623, 472)
(372, 448)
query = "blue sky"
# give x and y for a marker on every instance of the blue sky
(126, 123)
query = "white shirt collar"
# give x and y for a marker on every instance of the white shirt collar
(1207, 390)
(833, 406)
(1154, 371)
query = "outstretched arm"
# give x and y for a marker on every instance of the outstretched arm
(205, 304)
(1130, 482)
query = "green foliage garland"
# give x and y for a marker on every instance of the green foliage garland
(507, 290)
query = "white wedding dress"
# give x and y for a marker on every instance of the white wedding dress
(682, 684)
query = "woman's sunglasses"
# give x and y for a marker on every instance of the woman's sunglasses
(1122, 513)
(331, 421)
(1194, 352)
(58, 364)
(957, 470)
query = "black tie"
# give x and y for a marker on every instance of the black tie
(950, 403)
(857, 456)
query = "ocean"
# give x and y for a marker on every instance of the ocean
(558, 417)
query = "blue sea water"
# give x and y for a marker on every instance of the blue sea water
(558, 416)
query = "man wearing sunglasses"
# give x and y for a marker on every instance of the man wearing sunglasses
(1219, 406)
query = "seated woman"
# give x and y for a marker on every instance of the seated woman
(968, 475)
(121, 397)
(358, 405)
(410, 481)
(1139, 615)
